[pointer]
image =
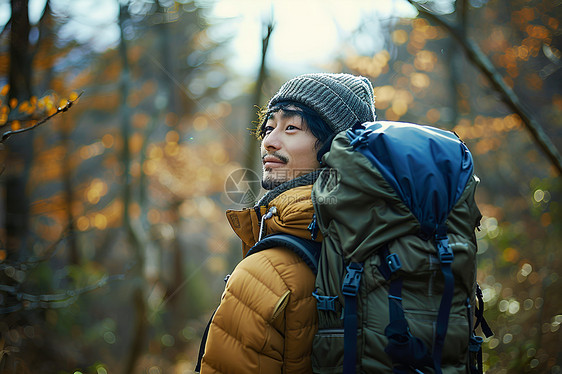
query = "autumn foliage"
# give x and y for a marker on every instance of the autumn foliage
(114, 243)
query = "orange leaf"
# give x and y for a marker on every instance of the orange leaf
(4, 91)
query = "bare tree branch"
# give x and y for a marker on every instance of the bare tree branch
(34, 261)
(61, 300)
(509, 97)
(61, 109)
(252, 146)
(6, 26)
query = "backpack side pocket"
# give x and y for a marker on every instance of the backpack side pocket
(328, 347)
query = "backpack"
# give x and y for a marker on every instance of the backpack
(396, 274)
(396, 282)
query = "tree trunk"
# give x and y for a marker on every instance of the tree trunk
(73, 254)
(20, 149)
(136, 244)
(175, 281)
(20, 61)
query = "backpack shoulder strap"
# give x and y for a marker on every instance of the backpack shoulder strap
(203, 343)
(205, 336)
(308, 250)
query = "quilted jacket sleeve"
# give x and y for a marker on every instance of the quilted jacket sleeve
(267, 317)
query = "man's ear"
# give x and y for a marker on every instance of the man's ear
(325, 148)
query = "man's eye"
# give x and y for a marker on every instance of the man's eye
(292, 127)
(268, 129)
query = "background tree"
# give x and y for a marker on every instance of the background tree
(126, 245)
(74, 183)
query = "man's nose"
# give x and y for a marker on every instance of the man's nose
(272, 140)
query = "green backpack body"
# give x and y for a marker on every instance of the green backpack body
(396, 208)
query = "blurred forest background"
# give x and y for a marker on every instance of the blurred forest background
(114, 243)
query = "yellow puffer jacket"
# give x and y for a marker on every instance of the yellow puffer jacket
(267, 317)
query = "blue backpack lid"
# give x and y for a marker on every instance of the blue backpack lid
(427, 167)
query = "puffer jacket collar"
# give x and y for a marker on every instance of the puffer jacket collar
(293, 212)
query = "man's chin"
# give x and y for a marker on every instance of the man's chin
(271, 179)
(271, 183)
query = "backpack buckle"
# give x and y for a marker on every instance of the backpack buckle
(393, 262)
(352, 279)
(325, 302)
(475, 343)
(446, 257)
(444, 250)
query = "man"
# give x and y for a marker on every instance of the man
(267, 317)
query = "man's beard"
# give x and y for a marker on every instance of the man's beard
(270, 183)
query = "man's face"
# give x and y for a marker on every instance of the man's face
(287, 148)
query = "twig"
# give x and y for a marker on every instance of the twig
(252, 145)
(34, 261)
(61, 300)
(7, 25)
(64, 108)
(509, 97)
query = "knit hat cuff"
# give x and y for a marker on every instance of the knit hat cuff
(333, 100)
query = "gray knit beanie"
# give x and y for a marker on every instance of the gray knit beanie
(340, 99)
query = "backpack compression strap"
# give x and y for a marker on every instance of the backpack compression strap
(349, 289)
(405, 350)
(403, 347)
(446, 257)
(308, 250)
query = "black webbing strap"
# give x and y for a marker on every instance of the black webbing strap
(446, 257)
(479, 313)
(407, 352)
(203, 343)
(308, 250)
(350, 289)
